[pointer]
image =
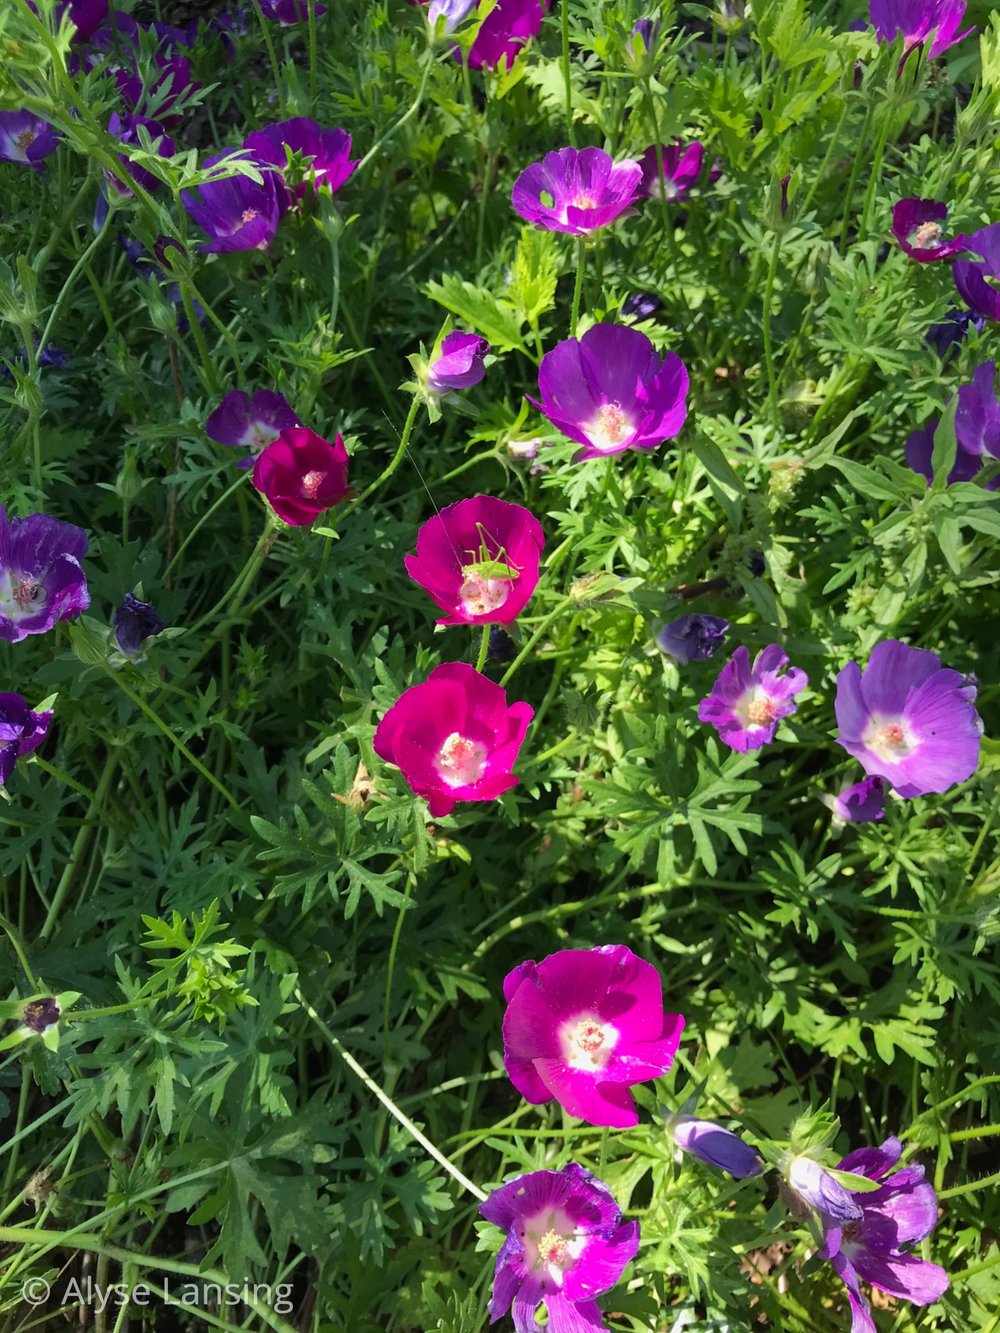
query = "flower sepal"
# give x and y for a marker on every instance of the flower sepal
(37, 1016)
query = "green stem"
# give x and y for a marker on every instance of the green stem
(67, 286)
(236, 594)
(79, 845)
(539, 632)
(860, 156)
(772, 381)
(230, 490)
(394, 129)
(396, 460)
(970, 1187)
(979, 1132)
(581, 254)
(272, 55)
(567, 80)
(313, 70)
(18, 948)
(484, 648)
(391, 966)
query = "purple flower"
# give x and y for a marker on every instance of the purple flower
(576, 190)
(236, 213)
(41, 1014)
(917, 20)
(861, 804)
(681, 168)
(135, 622)
(460, 363)
(326, 154)
(509, 26)
(87, 15)
(452, 11)
(610, 391)
(50, 355)
(126, 130)
(641, 305)
(715, 1146)
(946, 336)
(817, 1189)
(746, 704)
(173, 78)
(647, 30)
(916, 225)
(908, 719)
(26, 139)
(971, 275)
(242, 422)
(21, 730)
(287, 12)
(977, 432)
(871, 1249)
(566, 1243)
(692, 637)
(40, 576)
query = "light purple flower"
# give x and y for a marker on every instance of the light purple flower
(135, 622)
(746, 704)
(460, 363)
(916, 225)
(692, 637)
(41, 580)
(576, 190)
(21, 731)
(610, 391)
(875, 1248)
(452, 11)
(326, 154)
(819, 1190)
(242, 422)
(977, 432)
(917, 20)
(861, 804)
(25, 139)
(566, 1244)
(287, 12)
(971, 274)
(715, 1146)
(237, 213)
(908, 719)
(681, 168)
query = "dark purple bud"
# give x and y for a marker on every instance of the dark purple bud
(692, 637)
(641, 304)
(861, 804)
(40, 1014)
(135, 622)
(756, 564)
(501, 646)
(946, 337)
(715, 1146)
(647, 30)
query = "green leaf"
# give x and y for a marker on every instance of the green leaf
(494, 319)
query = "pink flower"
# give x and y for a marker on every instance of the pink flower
(301, 475)
(584, 1024)
(455, 737)
(478, 560)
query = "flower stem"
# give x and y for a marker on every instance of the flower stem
(581, 254)
(567, 80)
(76, 852)
(397, 457)
(236, 594)
(772, 382)
(411, 110)
(970, 1187)
(18, 948)
(484, 648)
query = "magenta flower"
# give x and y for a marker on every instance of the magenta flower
(861, 804)
(242, 422)
(917, 20)
(681, 168)
(909, 720)
(41, 581)
(237, 213)
(583, 1025)
(916, 225)
(975, 278)
(576, 190)
(509, 26)
(455, 737)
(287, 12)
(875, 1248)
(301, 475)
(135, 622)
(325, 154)
(746, 704)
(21, 731)
(977, 432)
(25, 139)
(478, 559)
(715, 1146)
(460, 363)
(566, 1243)
(610, 391)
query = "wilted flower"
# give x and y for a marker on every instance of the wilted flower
(242, 422)
(41, 1014)
(459, 364)
(917, 20)
(455, 737)
(478, 559)
(566, 1243)
(135, 622)
(287, 12)
(509, 26)
(326, 154)
(908, 719)
(41, 581)
(971, 274)
(746, 704)
(946, 336)
(714, 1146)
(916, 225)
(692, 637)
(815, 1188)
(237, 213)
(21, 731)
(610, 391)
(871, 1249)
(301, 475)
(861, 804)
(977, 432)
(576, 190)
(25, 139)
(681, 168)
(583, 1025)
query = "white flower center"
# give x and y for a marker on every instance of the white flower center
(460, 761)
(757, 709)
(890, 738)
(311, 482)
(480, 596)
(587, 1042)
(248, 215)
(927, 236)
(551, 1244)
(23, 141)
(20, 597)
(609, 427)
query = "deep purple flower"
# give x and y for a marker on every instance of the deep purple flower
(242, 422)
(126, 130)
(25, 139)
(681, 168)
(746, 704)
(908, 719)
(459, 364)
(326, 154)
(21, 730)
(576, 190)
(287, 12)
(715, 1146)
(647, 30)
(641, 305)
(946, 336)
(916, 20)
(173, 78)
(237, 213)
(135, 622)
(916, 225)
(875, 1248)
(87, 15)
(610, 391)
(50, 355)
(817, 1189)
(861, 804)
(971, 274)
(40, 576)
(566, 1243)
(509, 26)
(977, 432)
(41, 1014)
(692, 637)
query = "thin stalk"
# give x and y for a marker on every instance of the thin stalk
(18, 948)
(397, 457)
(391, 966)
(201, 522)
(236, 594)
(567, 79)
(67, 286)
(77, 851)
(574, 318)
(772, 380)
(484, 648)
(394, 129)
(970, 1187)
